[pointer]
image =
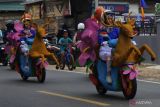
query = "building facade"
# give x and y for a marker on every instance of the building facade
(10, 10)
(61, 13)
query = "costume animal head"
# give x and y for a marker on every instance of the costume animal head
(98, 13)
(41, 32)
(126, 29)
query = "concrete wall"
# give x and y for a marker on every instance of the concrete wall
(154, 43)
(4, 16)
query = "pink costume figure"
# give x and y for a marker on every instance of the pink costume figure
(14, 37)
(89, 39)
(18, 26)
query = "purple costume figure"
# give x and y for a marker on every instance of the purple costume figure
(89, 39)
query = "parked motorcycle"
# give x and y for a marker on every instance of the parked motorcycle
(3, 54)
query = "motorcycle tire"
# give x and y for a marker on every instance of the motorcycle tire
(24, 78)
(41, 75)
(62, 64)
(71, 63)
(129, 87)
(12, 66)
(5, 63)
(101, 90)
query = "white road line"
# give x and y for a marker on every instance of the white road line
(75, 98)
(153, 82)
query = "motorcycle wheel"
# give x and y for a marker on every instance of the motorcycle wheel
(4, 63)
(24, 78)
(41, 76)
(129, 87)
(12, 66)
(101, 90)
(71, 62)
(62, 64)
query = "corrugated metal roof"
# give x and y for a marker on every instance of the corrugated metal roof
(12, 6)
(32, 1)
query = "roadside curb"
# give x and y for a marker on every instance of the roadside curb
(146, 72)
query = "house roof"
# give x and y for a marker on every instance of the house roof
(12, 1)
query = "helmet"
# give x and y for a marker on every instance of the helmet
(81, 26)
(26, 16)
(98, 12)
(9, 22)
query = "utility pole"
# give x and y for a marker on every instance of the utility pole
(96, 3)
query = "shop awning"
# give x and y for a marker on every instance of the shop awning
(12, 6)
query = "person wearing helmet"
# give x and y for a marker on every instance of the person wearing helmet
(80, 28)
(26, 39)
(9, 29)
(28, 33)
(76, 39)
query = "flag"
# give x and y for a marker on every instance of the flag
(142, 5)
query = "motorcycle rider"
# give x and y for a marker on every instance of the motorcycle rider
(80, 28)
(26, 38)
(28, 33)
(101, 66)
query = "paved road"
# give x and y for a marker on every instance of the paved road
(66, 89)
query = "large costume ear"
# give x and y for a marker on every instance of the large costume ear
(130, 20)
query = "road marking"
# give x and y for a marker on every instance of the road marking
(75, 98)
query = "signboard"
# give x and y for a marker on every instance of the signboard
(116, 7)
(58, 8)
(119, 18)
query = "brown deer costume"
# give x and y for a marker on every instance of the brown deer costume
(126, 51)
(38, 48)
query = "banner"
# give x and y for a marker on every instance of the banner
(34, 10)
(142, 6)
(157, 8)
(58, 8)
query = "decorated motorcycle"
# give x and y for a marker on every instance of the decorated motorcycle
(121, 53)
(31, 55)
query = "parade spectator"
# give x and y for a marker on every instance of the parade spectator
(64, 41)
